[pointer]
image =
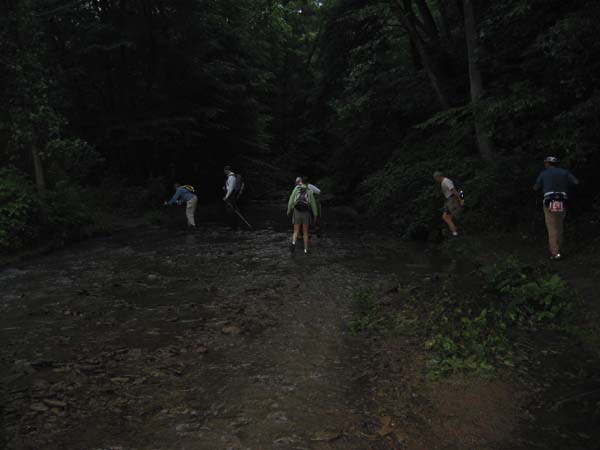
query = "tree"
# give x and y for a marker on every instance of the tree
(426, 49)
(484, 143)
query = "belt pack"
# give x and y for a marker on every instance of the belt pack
(555, 201)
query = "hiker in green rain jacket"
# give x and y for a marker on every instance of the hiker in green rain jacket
(302, 206)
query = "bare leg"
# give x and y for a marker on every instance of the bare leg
(296, 232)
(448, 219)
(305, 232)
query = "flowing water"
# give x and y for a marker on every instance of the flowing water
(160, 338)
(207, 339)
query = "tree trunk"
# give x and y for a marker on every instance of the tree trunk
(428, 61)
(428, 21)
(445, 20)
(40, 180)
(486, 149)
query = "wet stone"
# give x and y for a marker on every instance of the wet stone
(39, 407)
(278, 417)
(53, 402)
(120, 380)
(57, 411)
(326, 436)
(231, 330)
(23, 366)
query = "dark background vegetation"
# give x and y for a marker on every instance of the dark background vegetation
(103, 103)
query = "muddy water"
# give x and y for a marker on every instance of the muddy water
(213, 339)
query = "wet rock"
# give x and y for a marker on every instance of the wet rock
(278, 417)
(326, 436)
(386, 426)
(120, 380)
(57, 412)
(23, 366)
(201, 349)
(390, 288)
(231, 330)
(39, 407)
(56, 403)
(183, 427)
(284, 442)
(40, 385)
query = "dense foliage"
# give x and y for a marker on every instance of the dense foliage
(369, 96)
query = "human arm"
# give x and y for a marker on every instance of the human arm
(315, 189)
(538, 183)
(175, 199)
(313, 204)
(573, 179)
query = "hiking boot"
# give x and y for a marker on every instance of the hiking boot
(305, 251)
(556, 257)
(292, 247)
(455, 234)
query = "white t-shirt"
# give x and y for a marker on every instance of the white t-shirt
(447, 186)
(230, 184)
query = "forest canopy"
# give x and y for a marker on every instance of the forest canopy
(369, 97)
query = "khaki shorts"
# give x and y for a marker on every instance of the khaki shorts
(301, 217)
(453, 207)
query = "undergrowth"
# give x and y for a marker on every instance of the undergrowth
(474, 328)
(366, 312)
(478, 331)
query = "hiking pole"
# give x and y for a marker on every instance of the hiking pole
(239, 214)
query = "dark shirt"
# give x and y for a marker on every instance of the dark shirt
(555, 179)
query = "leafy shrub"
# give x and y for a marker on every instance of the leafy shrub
(524, 297)
(71, 158)
(18, 210)
(363, 302)
(478, 336)
(67, 211)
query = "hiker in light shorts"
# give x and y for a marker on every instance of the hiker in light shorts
(454, 203)
(301, 204)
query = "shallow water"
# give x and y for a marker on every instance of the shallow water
(162, 338)
(208, 339)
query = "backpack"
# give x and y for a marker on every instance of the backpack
(189, 188)
(302, 199)
(239, 185)
(458, 186)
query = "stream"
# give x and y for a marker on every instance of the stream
(161, 338)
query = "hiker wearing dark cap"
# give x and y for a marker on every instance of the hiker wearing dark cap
(454, 203)
(185, 194)
(554, 182)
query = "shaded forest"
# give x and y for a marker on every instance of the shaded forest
(104, 103)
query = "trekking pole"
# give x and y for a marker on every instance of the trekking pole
(239, 214)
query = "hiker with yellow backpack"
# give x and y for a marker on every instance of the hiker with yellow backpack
(185, 194)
